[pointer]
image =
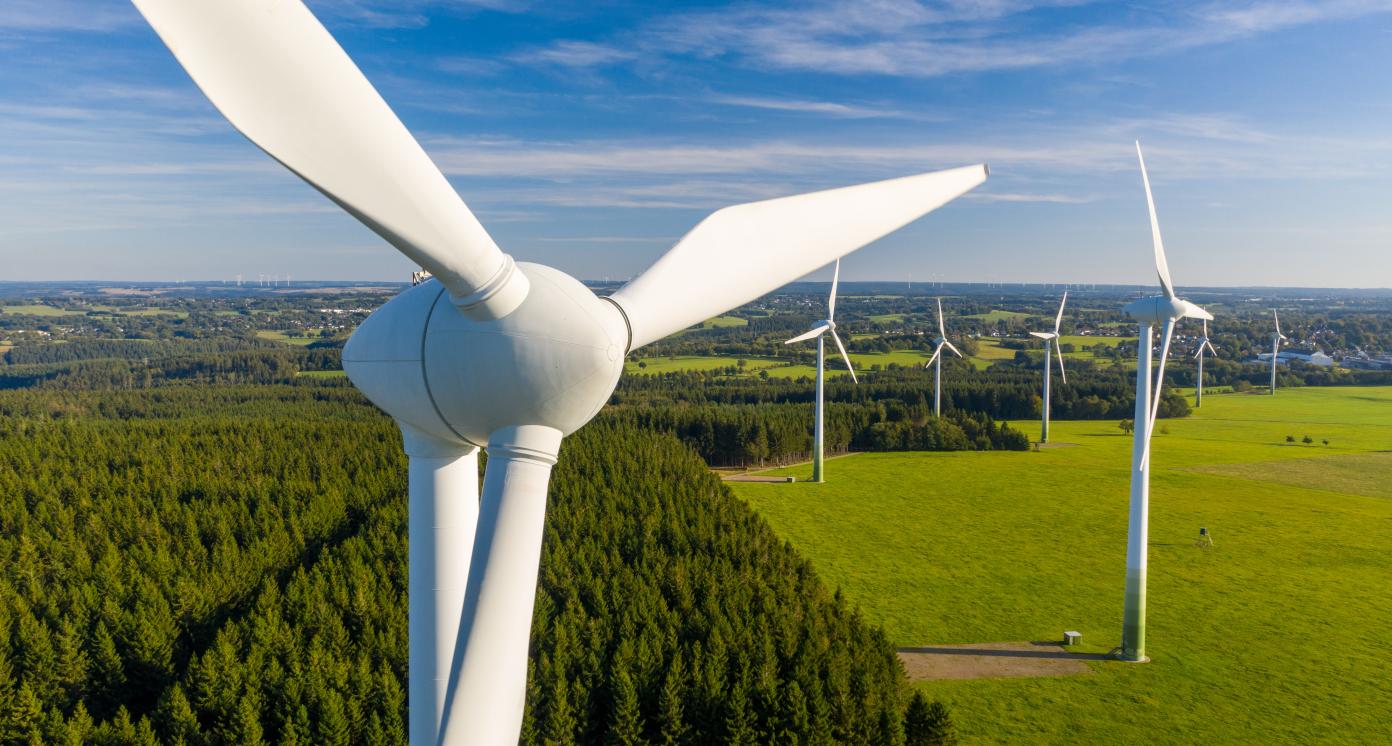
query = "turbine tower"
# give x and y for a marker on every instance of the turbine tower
(1204, 343)
(818, 330)
(491, 353)
(936, 361)
(1050, 346)
(1165, 310)
(1276, 340)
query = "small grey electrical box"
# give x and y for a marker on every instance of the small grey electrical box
(1072, 638)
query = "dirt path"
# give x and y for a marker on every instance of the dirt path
(995, 660)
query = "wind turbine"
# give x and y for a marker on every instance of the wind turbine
(936, 361)
(818, 330)
(1276, 340)
(492, 353)
(1051, 345)
(1165, 310)
(1204, 343)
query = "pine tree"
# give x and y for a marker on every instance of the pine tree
(332, 728)
(928, 724)
(626, 725)
(176, 718)
(560, 720)
(669, 705)
(739, 720)
(19, 717)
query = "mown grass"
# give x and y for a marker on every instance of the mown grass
(995, 316)
(1279, 633)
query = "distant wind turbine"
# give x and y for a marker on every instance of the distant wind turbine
(818, 329)
(1166, 310)
(1051, 345)
(936, 360)
(1203, 344)
(1276, 340)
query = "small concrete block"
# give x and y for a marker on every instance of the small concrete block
(1072, 637)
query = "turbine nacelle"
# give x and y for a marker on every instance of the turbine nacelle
(553, 361)
(1162, 308)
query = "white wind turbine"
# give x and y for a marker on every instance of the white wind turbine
(1276, 340)
(1051, 345)
(1204, 343)
(818, 330)
(1166, 310)
(936, 361)
(493, 353)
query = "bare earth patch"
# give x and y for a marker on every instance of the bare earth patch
(995, 660)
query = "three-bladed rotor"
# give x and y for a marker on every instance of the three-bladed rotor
(828, 325)
(1054, 335)
(941, 341)
(1166, 309)
(497, 354)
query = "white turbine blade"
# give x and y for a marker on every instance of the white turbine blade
(831, 302)
(942, 331)
(936, 351)
(1162, 268)
(1191, 311)
(1062, 372)
(278, 76)
(1210, 347)
(1159, 389)
(1043, 335)
(952, 347)
(844, 356)
(1205, 330)
(1277, 317)
(814, 331)
(1058, 320)
(743, 252)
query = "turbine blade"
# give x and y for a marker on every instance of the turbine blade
(844, 356)
(952, 347)
(1062, 372)
(1162, 268)
(1043, 335)
(1058, 320)
(1210, 347)
(1192, 311)
(936, 351)
(743, 252)
(1277, 317)
(942, 332)
(1159, 389)
(809, 334)
(278, 76)
(831, 302)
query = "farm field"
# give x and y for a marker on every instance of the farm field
(35, 309)
(1279, 633)
(279, 336)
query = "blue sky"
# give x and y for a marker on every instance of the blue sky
(591, 135)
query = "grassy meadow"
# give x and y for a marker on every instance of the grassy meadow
(1280, 632)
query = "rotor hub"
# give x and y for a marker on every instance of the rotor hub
(553, 361)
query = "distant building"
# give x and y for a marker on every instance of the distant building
(1309, 357)
(1365, 362)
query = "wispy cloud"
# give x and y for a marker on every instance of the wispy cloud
(905, 38)
(825, 108)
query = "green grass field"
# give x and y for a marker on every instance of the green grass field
(998, 315)
(279, 336)
(1280, 633)
(35, 309)
(655, 365)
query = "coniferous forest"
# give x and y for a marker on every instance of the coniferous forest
(226, 565)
